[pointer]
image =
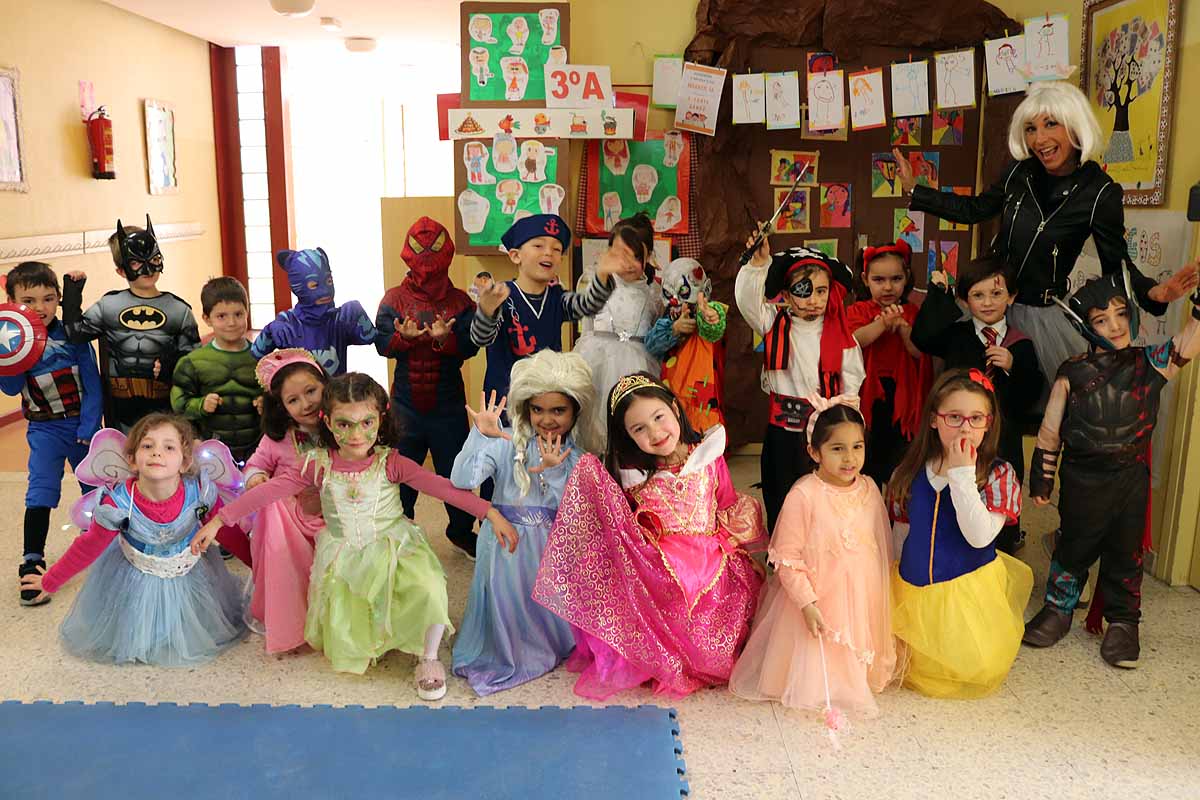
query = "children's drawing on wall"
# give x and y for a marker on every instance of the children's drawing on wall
(518, 34)
(906, 131)
(616, 155)
(948, 127)
(1046, 48)
(645, 178)
(548, 19)
(508, 192)
(883, 176)
(532, 162)
(550, 198)
(1005, 60)
(1127, 65)
(787, 164)
(866, 99)
(504, 152)
(480, 28)
(558, 55)
(820, 61)
(956, 79)
(831, 135)
(910, 89)
(835, 205)
(909, 226)
(672, 147)
(827, 246)
(670, 212)
(475, 158)
(925, 167)
(947, 225)
(611, 204)
(949, 255)
(794, 216)
(473, 209)
(783, 100)
(826, 100)
(516, 77)
(749, 98)
(479, 57)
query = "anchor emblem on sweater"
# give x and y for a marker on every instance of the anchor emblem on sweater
(523, 347)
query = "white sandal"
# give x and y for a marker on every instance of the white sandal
(430, 679)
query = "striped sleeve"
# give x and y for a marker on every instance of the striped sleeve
(1002, 492)
(485, 328)
(577, 305)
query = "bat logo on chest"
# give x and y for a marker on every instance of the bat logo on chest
(142, 318)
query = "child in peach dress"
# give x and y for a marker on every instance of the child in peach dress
(823, 636)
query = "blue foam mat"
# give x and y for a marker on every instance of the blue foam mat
(134, 751)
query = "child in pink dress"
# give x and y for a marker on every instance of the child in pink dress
(823, 634)
(284, 533)
(647, 560)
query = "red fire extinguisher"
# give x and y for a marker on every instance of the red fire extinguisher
(100, 142)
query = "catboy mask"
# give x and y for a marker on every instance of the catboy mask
(309, 276)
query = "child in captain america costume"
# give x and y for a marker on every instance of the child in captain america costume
(315, 323)
(425, 325)
(1101, 414)
(62, 400)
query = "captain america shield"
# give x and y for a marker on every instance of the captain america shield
(22, 338)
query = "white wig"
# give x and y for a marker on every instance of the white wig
(1064, 103)
(548, 371)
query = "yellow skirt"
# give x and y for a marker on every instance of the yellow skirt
(962, 635)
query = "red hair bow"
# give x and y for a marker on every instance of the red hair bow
(982, 380)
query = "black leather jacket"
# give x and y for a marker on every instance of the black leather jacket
(1041, 238)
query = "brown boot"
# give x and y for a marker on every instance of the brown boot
(1120, 647)
(1047, 627)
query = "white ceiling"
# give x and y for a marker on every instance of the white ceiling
(236, 22)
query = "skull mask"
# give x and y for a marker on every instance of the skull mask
(682, 282)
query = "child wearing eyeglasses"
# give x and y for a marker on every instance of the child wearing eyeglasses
(796, 301)
(959, 603)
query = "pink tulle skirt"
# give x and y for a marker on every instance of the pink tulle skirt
(674, 613)
(282, 544)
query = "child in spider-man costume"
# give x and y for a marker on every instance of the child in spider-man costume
(315, 323)
(425, 324)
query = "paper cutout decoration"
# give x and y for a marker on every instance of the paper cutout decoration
(611, 203)
(786, 165)
(783, 100)
(820, 61)
(947, 225)
(1046, 43)
(794, 217)
(579, 86)
(508, 192)
(910, 226)
(668, 75)
(834, 135)
(616, 155)
(548, 19)
(480, 67)
(699, 98)
(532, 162)
(645, 178)
(662, 251)
(884, 182)
(948, 127)
(906, 131)
(550, 198)
(955, 78)
(749, 98)
(672, 147)
(525, 123)
(475, 157)
(836, 205)
(926, 167)
(557, 55)
(670, 212)
(480, 28)
(518, 34)
(504, 152)
(1005, 60)
(827, 246)
(910, 89)
(515, 73)
(866, 100)
(826, 100)
(473, 209)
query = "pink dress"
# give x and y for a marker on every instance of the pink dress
(831, 546)
(662, 594)
(282, 542)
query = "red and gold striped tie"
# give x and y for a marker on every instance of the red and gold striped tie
(992, 337)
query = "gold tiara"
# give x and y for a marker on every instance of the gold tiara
(627, 385)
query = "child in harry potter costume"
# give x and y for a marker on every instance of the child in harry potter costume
(143, 331)
(1101, 414)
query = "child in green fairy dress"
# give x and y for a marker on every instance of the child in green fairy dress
(376, 585)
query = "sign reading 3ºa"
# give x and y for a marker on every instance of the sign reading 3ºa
(576, 86)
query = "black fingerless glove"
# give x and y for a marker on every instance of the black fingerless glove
(1042, 472)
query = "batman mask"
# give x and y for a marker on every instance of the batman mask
(140, 255)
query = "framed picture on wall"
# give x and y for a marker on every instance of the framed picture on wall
(1128, 74)
(12, 161)
(160, 148)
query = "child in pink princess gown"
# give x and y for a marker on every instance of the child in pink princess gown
(284, 533)
(647, 560)
(823, 635)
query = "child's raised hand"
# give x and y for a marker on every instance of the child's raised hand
(619, 260)
(962, 453)
(506, 534)
(33, 583)
(493, 297)
(77, 275)
(487, 418)
(708, 312)
(938, 278)
(1178, 285)
(212, 401)
(999, 357)
(441, 327)
(206, 536)
(686, 324)
(553, 453)
(762, 256)
(904, 170)
(813, 619)
(409, 328)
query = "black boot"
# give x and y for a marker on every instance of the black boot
(1120, 647)
(30, 597)
(1047, 627)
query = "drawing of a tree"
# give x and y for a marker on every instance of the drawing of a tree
(1127, 64)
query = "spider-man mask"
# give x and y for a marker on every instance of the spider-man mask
(428, 251)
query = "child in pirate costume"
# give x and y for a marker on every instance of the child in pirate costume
(1101, 414)
(314, 323)
(517, 318)
(143, 331)
(809, 350)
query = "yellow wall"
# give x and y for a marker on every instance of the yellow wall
(57, 43)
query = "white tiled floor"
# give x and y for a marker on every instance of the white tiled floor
(1065, 725)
